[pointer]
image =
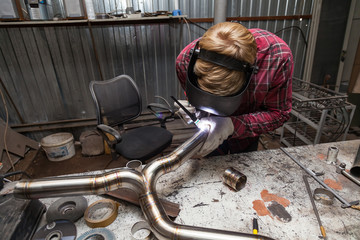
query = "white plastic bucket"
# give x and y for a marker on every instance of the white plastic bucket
(58, 146)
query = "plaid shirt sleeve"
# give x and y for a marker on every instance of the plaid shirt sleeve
(275, 107)
(182, 62)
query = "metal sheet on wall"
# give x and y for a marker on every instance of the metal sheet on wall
(46, 70)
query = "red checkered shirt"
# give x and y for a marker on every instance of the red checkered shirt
(267, 101)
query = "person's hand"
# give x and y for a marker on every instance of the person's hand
(220, 129)
(182, 113)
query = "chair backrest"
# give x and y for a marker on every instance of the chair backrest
(117, 100)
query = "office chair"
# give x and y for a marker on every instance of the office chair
(118, 101)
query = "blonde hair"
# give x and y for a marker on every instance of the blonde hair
(230, 39)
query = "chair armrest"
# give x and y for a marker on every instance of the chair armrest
(105, 129)
(155, 107)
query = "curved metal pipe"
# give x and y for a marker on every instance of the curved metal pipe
(80, 185)
(144, 184)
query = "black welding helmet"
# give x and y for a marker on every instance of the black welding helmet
(208, 102)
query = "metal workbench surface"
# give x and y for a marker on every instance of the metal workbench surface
(275, 194)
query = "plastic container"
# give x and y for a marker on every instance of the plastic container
(58, 146)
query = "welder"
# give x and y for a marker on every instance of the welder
(242, 79)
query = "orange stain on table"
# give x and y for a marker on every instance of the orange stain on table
(321, 156)
(268, 197)
(333, 184)
(260, 208)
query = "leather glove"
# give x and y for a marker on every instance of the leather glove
(220, 129)
(182, 113)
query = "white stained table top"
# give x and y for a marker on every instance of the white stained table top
(275, 194)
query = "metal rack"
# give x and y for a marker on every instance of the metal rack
(318, 115)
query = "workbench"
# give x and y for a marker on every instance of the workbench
(275, 194)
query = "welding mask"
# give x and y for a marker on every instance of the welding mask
(208, 102)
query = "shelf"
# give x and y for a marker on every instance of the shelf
(110, 21)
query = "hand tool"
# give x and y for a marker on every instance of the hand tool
(341, 169)
(191, 115)
(322, 229)
(345, 204)
(255, 226)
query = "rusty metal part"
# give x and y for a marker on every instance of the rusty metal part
(308, 189)
(234, 179)
(341, 169)
(323, 196)
(345, 204)
(144, 184)
(332, 155)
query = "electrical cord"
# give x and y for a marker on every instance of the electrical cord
(5, 131)
(296, 27)
(187, 24)
(205, 29)
(344, 124)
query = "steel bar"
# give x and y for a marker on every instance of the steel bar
(345, 204)
(322, 229)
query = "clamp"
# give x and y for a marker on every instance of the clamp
(341, 169)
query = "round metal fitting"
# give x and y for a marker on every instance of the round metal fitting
(234, 179)
(141, 231)
(323, 196)
(134, 164)
(332, 155)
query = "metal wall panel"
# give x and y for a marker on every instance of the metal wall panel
(46, 70)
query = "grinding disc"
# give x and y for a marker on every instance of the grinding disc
(61, 229)
(98, 233)
(69, 208)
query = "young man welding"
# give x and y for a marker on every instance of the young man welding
(243, 77)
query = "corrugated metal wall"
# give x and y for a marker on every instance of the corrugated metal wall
(45, 71)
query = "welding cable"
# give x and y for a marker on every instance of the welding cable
(205, 29)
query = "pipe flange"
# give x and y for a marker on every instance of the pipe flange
(323, 196)
(69, 208)
(98, 233)
(142, 231)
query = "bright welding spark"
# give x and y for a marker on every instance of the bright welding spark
(204, 124)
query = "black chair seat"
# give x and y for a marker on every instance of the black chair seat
(144, 143)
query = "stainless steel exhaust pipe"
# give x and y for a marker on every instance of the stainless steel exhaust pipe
(144, 184)
(80, 185)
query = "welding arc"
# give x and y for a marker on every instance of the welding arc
(322, 229)
(191, 115)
